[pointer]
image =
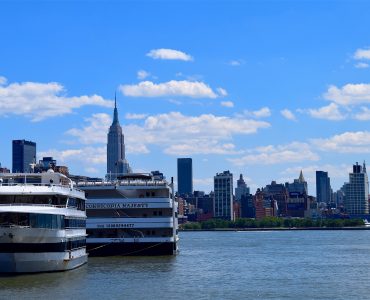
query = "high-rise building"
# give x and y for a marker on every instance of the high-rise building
(116, 160)
(223, 186)
(357, 191)
(24, 154)
(278, 192)
(297, 202)
(323, 189)
(184, 176)
(241, 188)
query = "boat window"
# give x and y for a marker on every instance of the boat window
(74, 223)
(76, 203)
(32, 220)
(57, 200)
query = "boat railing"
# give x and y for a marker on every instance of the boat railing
(11, 225)
(122, 183)
(34, 204)
(39, 184)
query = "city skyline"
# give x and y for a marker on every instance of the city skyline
(257, 88)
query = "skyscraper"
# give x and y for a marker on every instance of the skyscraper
(241, 188)
(357, 191)
(116, 161)
(323, 189)
(24, 154)
(223, 185)
(184, 176)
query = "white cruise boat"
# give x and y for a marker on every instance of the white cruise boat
(133, 215)
(42, 223)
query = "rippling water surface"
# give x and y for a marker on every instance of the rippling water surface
(219, 265)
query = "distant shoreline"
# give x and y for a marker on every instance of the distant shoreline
(280, 229)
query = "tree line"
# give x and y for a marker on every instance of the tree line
(273, 222)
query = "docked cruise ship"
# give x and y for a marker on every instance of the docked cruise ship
(42, 223)
(135, 214)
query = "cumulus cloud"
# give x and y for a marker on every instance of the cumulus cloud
(3, 80)
(42, 100)
(329, 112)
(96, 130)
(203, 134)
(173, 88)
(286, 113)
(227, 103)
(222, 92)
(264, 112)
(349, 94)
(361, 65)
(169, 54)
(142, 74)
(364, 115)
(91, 155)
(362, 54)
(280, 154)
(347, 142)
(236, 62)
(129, 116)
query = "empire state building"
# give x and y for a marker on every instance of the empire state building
(116, 161)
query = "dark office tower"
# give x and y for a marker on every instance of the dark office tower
(323, 189)
(116, 161)
(184, 176)
(24, 154)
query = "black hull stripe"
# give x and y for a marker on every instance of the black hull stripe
(131, 249)
(34, 247)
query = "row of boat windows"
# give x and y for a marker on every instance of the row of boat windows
(128, 233)
(56, 200)
(40, 221)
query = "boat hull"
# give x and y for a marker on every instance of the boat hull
(131, 249)
(40, 262)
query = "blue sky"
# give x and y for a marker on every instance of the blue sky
(263, 88)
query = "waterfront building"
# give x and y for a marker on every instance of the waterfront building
(297, 202)
(247, 208)
(323, 189)
(223, 189)
(116, 160)
(184, 176)
(279, 193)
(241, 188)
(4, 169)
(357, 191)
(265, 206)
(23, 156)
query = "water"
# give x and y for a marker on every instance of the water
(219, 265)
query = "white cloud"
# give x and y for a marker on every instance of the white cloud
(169, 54)
(236, 62)
(3, 80)
(364, 115)
(362, 54)
(286, 113)
(349, 94)
(227, 103)
(173, 88)
(91, 156)
(222, 92)
(264, 112)
(203, 134)
(347, 142)
(361, 65)
(129, 116)
(43, 100)
(142, 74)
(96, 130)
(280, 154)
(330, 112)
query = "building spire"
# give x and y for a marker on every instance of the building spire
(301, 178)
(364, 167)
(115, 115)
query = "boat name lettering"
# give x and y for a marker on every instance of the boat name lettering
(116, 205)
(119, 225)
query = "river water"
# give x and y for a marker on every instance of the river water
(219, 265)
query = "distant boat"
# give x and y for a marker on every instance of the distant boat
(42, 223)
(366, 223)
